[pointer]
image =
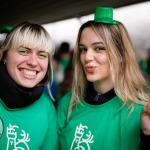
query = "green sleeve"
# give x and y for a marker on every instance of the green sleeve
(62, 112)
(51, 139)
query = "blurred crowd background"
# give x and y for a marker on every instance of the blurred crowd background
(64, 33)
(63, 70)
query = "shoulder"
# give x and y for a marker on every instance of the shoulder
(138, 107)
(46, 102)
(64, 101)
(62, 111)
(45, 98)
(47, 106)
(66, 98)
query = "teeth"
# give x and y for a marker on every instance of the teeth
(31, 73)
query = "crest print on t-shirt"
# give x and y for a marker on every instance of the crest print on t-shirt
(82, 138)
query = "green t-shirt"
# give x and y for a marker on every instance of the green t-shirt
(98, 127)
(29, 128)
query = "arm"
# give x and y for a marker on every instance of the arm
(51, 139)
(62, 112)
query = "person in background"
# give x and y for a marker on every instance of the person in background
(107, 107)
(62, 62)
(3, 32)
(27, 115)
(148, 62)
(66, 84)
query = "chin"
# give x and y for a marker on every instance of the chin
(30, 86)
(91, 79)
(27, 85)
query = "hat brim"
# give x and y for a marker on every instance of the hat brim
(107, 21)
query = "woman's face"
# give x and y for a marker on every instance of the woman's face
(26, 66)
(94, 58)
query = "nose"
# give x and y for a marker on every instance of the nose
(32, 60)
(89, 56)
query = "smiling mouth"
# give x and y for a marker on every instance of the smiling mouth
(28, 72)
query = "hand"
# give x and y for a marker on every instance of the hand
(145, 119)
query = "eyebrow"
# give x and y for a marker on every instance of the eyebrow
(25, 47)
(31, 49)
(95, 43)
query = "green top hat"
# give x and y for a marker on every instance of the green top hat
(5, 29)
(105, 15)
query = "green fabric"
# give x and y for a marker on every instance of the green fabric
(29, 128)
(98, 127)
(65, 63)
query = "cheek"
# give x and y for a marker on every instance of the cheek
(13, 57)
(44, 65)
(9, 69)
(82, 59)
(102, 59)
(11, 61)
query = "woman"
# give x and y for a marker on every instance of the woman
(108, 93)
(27, 115)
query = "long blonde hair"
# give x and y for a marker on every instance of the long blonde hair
(129, 83)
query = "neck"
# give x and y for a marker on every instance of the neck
(103, 87)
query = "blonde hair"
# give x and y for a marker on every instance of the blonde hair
(129, 83)
(34, 36)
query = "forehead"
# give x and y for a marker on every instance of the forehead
(32, 45)
(89, 35)
(32, 41)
